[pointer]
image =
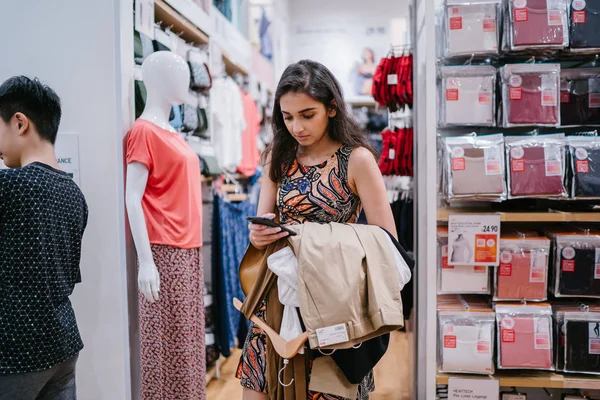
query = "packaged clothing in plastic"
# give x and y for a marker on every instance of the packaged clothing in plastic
(530, 94)
(459, 279)
(523, 270)
(524, 336)
(467, 96)
(580, 96)
(536, 166)
(535, 24)
(474, 168)
(582, 342)
(471, 27)
(577, 265)
(584, 157)
(584, 22)
(466, 342)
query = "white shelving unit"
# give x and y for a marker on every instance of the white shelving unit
(423, 13)
(195, 14)
(424, 119)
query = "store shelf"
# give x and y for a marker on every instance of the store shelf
(169, 17)
(231, 67)
(194, 13)
(549, 216)
(533, 379)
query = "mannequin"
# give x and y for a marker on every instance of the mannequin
(164, 204)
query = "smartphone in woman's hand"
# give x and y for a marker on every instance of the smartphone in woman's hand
(270, 223)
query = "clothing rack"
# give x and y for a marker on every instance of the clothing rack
(399, 187)
(399, 50)
(401, 118)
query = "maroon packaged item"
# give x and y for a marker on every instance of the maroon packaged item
(536, 166)
(530, 94)
(537, 24)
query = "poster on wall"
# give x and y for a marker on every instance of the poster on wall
(351, 49)
(67, 154)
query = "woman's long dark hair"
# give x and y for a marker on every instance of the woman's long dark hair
(314, 79)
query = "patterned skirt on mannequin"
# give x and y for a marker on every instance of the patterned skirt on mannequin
(173, 360)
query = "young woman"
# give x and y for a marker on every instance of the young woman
(319, 168)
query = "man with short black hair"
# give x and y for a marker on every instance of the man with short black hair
(43, 215)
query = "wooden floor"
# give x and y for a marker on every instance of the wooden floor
(393, 375)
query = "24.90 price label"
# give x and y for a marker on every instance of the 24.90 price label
(474, 239)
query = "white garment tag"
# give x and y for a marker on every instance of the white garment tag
(493, 164)
(331, 335)
(594, 338)
(555, 12)
(392, 79)
(554, 165)
(549, 90)
(541, 327)
(597, 264)
(392, 154)
(537, 272)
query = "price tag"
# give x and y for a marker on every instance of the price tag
(471, 389)
(332, 335)
(473, 239)
(392, 79)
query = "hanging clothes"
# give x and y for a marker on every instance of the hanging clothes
(266, 42)
(230, 240)
(227, 110)
(250, 153)
(397, 152)
(393, 82)
(225, 7)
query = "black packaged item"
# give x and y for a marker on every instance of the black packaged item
(582, 342)
(580, 96)
(584, 18)
(584, 157)
(577, 265)
(559, 340)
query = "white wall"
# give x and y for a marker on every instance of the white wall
(334, 32)
(75, 47)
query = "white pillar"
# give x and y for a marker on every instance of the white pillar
(81, 48)
(424, 76)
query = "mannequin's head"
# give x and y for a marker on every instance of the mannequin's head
(167, 76)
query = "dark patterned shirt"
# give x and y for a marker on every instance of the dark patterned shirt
(43, 215)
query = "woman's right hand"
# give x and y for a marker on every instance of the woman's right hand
(261, 236)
